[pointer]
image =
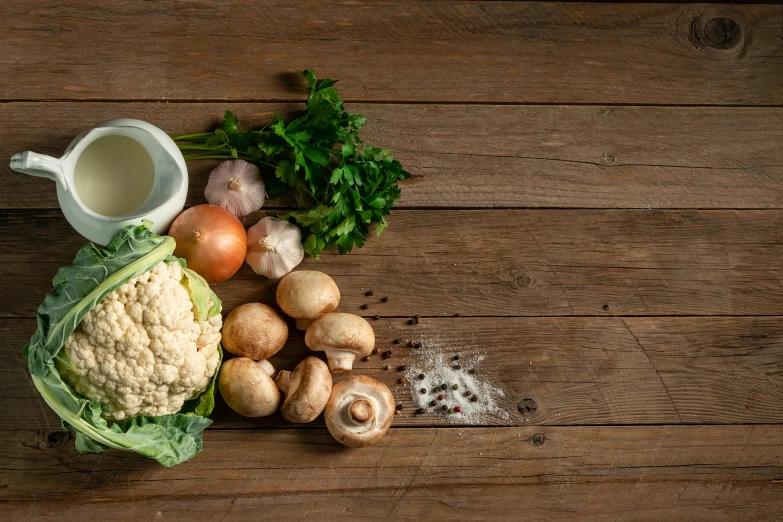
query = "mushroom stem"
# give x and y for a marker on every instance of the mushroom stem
(267, 367)
(340, 361)
(282, 380)
(235, 184)
(303, 324)
(361, 411)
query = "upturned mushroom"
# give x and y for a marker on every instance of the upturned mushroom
(255, 331)
(306, 295)
(306, 390)
(247, 387)
(359, 411)
(342, 337)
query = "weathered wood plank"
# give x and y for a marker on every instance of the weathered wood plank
(633, 473)
(425, 51)
(468, 156)
(494, 263)
(572, 371)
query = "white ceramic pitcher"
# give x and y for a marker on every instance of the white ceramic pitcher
(164, 203)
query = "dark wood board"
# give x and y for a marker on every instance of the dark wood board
(420, 51)
(551, 371)
(633, 157)
(682, 473)
(493, 263)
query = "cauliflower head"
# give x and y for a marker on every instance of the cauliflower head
(141, 349)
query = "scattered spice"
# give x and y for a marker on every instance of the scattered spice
(399, 406)
(451, 410)
(387, 354)
(444, 407)
(369, 293)
(366, 358)
(365, 306)
(455, 386)
(423, 391)
(421, 376)
(472, 371)
(411, 343)
(387, 367)
(401, 368)
(455, 358)
(457, 409)
(443, 386)
(457, 367)
(377, 317)
(417, 318)
(376, 351)
(384, 299)
(411, 321)
(457, 315)
(400, 381)
(474, 399)
(433, 403)
(419, 411)
(396, 341)
(467, 393)
(441, 397)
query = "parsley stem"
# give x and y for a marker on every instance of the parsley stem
(192, 137)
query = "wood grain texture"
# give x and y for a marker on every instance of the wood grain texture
(682, 473)
(493, 263)
(562, 371)
(468, 156)
(423, 51)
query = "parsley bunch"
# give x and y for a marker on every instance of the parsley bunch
(350, 185)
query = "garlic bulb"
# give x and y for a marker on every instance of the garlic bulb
(236, 185)
(274, 247)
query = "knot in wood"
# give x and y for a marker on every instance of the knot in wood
(718, 32)
(522, 281)
(527, 406)
(538, 439)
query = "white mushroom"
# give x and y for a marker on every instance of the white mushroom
(248, 388)
(306, 295)
(255, 331)
(306, 390)
(359, 411)
(343, 337)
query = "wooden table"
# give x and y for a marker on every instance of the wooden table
(595, 204)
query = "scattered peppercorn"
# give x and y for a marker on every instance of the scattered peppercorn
(411, 343)
(441, 397)
(423, 391)
(369, 293)
(411, 321)
(451, 410)
(468, 393)
(401, 368)
(472, 371)
(387, 367)
(433, 403)
(444, 407)
(400, 380)
(457, 409)
(417, 318)
(421, 376)
(377, 317)
(455, 358)
(366, 358)
(396, 341)
(419, 411)
(364, 306)
(457, 367)
(387, 354)
(474, 398)
(443, 386)
(384, 299)
(399, 406)
(376, 351)
(455, 386)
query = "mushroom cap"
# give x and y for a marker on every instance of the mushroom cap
(255, 331)
(247, 388)
(307, 294)
(359, 411)
(342, 336)
(307, 390)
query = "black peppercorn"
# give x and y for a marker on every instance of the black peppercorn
(400, 380)
(377, 317)
(443, 386)
(401, 368)
(411, 321)
(384, 299)
(474, 398)
(423, 391)
(433, 403)
(399, 406)
(364, 306)
(472, 371)
(421, 376)
(419, 411)
(468, 393)
(444, 407)
(387, 354)
(455, 358)
(396, 341)
(369, 293)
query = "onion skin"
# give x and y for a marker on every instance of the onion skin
(212, 241)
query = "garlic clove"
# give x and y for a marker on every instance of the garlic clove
(237, 186)
(274, 247)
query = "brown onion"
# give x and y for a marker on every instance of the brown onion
(212, 241)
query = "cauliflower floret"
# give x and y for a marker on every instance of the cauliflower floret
(141, 350)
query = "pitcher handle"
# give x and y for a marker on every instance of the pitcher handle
(40, 165)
